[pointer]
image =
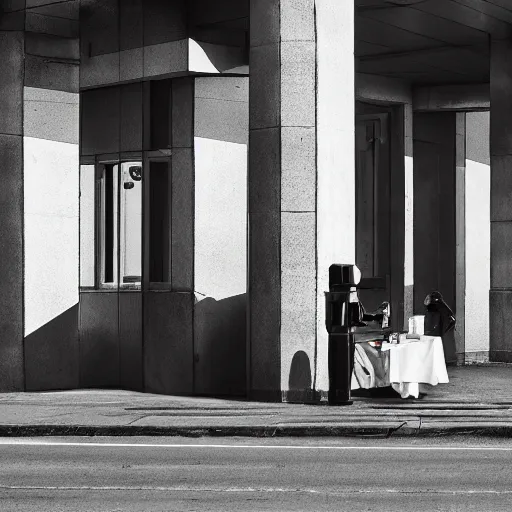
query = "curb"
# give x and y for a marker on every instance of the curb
(250, 431)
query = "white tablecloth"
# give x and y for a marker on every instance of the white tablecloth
(415, 362)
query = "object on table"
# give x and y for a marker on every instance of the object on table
(440, 321)
(417, 324)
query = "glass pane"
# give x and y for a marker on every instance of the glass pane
(108, 224)
(87, 249)
(160, 223)
(130, 257)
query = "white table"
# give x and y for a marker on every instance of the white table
(416, 362)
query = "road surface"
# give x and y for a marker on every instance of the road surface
(173, 474)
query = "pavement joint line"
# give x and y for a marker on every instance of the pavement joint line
(21, 442)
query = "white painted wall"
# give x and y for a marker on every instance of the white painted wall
(51, 186)
(51, 230)
(221, 138)
(478, 236)
(336, 154)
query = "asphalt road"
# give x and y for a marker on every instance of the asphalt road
(127, 474)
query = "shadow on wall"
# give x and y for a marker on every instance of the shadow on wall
(220, 346)
(51, 354)
(300, 380)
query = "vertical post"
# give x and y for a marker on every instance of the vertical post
(301, 187)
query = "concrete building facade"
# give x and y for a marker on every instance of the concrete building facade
(179, 175)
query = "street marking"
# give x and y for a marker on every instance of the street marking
(28, 442)
(200, 489)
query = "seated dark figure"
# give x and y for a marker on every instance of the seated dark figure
(440, 321)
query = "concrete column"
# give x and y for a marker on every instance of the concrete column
(301, 187)
(500, 308)
(39, 198)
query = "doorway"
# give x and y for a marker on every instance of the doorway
(380, 207)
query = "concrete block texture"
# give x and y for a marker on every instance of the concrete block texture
(130, 341)
(44, 73)
(265, 87)
(264, 171)
(99, 340)
(298, 295)
(11, 82)
(51, 115)
(500, 306)
(11, 274)
(131, 64)
(265, 17)
(297, 20)
(168, 342)
(501, 188)
(52, 354)
(100, 70)
(183, 112)
(298, 169)
(501, 97)
(265, 302)
(501, 248)
(298, 87)
(165, 58)
(182, 219)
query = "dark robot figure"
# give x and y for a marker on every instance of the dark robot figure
(440, 321)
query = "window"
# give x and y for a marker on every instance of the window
(111, 225)
(160, 226)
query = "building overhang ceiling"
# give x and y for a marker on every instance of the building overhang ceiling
(429, 41)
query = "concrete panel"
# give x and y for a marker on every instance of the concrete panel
(298, 20)
(99, 27)
(220, 346)
(52, 354)
(50, 229)
(61, 9)
(478, 137)
(165, 58)
(264, 171)
(298, 290)
(222, 120)
(298, 88)
(501, 248)
(382, 88)
(51, 115)
(44, 73)
(35, 22)
(100, 121)
(298, 169)
(99, 340)
(265, 88)
(223, 88)
(11, 275)
(500, 306)
(100, 70)
(12, 21)
(164, 21)
(336, 153)
(501, 188)
(45, 45)
(501, 97)
(265, 305)
(131, 31)
(131, 64)
(220, 238)
(478, 269)
(11, 82)
(168, 342)
(182, 219)
(131, 117)
(130, 341)
(265, 16)
(183, 112)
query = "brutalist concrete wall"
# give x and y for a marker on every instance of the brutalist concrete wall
(220, 234)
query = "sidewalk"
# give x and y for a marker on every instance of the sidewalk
(477, 401)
